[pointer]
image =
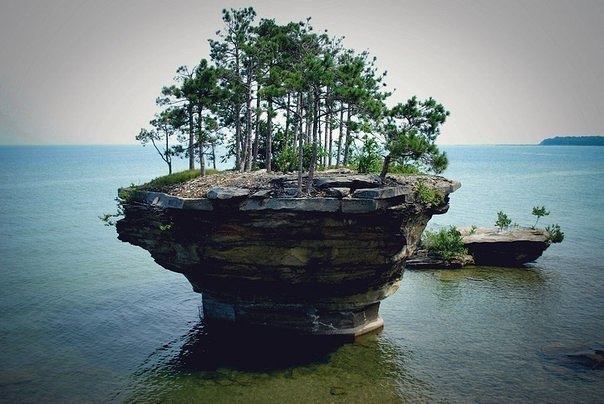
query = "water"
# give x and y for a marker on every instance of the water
(84, 317)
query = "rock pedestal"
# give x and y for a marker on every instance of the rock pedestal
(315, 265)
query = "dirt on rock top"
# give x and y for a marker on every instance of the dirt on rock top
(285, 184)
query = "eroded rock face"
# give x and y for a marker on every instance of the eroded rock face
(317, 265)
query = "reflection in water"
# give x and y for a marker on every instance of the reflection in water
(208, 351)
(529, 281)
(498, 277)
(570, 360)
(210, 367)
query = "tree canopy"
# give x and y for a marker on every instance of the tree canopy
(285, 97)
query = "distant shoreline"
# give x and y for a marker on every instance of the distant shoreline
(573, 141)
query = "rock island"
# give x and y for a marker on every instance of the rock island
(265, 259)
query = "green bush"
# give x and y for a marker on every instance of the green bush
(446, 243)
(428, 195)
(556, 235)
(503, 220)
(287, 159)
(400, 168)
(369, 157)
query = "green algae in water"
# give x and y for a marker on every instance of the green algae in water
(202, 370)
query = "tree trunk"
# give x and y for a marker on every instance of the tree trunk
(340, 136)
(238, 140)
(191, 137)
(200, 145)
(313, 157)
(300, 145)
(257, 128)
(287, 121)
(214, 155)
(327, 135)
(238, 164)
(329, 151)
(248, 152)
(269, 135)
(385, 167)
(347, 140)
(168, 157)
(308, 126)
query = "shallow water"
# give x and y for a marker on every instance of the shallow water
(86, 317)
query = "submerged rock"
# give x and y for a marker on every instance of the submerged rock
(591, 357)
(263, 259)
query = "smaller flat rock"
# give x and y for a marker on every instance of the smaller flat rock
(293, 204)
(382, 193)
(492, 235)
(348, 181)
(448, 187)
(197, 204)
(512, 247)
(337, 192)
(163, 201)
(360, 205)
(225, 193)
(261, 194)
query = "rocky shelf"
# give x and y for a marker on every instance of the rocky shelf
(513, 247)
(489, 247)
(263, 258)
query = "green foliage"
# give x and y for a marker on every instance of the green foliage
(368, 159)
(428, 195)
(124, 196)
(473, 230)
(287, 159)
(556, 235)
(404, 168)
(446, 243)
(539, 212)
(165, 227)
(109, 219)
(410, 131)
(503, 221)
(175, 178)
(127, 195)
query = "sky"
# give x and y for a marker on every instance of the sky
(88, 71)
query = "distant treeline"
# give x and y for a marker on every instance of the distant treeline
(573, 141)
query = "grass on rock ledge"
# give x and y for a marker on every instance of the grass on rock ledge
(175, 178)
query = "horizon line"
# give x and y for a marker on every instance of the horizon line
(138, 144)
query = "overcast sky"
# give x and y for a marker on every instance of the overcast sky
(88, 71)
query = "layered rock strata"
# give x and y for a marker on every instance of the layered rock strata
(263, 258)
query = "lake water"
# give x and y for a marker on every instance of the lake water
(85, 317)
